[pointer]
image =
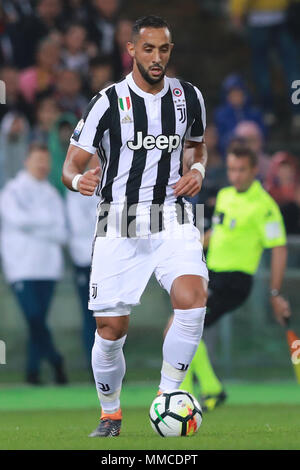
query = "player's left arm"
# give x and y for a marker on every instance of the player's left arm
(280, 305)
(190, 183)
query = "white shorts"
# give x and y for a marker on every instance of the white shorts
(122, 267)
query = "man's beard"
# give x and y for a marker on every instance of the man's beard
(146, 76)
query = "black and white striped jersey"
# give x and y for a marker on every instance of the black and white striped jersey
(139, 138)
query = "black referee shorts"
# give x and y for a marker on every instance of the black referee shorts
(226, 292)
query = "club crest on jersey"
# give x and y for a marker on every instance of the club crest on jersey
(161, 142)
(182, 110)
(125, 103)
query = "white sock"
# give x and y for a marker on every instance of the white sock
(108, 365)
(180, 345)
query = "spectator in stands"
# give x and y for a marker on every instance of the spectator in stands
(58, 142)
(293, 19)
(100, 75)
(76, 11)
(47, 112)
(41, 77)
(8, 37)
(102, 24)
(74, 54)
(283, 183)
(17, 9)
(268, 31)
(14, 142)
(35, 28)
(13, 97)
(236, 107)
(33, 231)
(121, 58)
(253, 137)
(68, 92)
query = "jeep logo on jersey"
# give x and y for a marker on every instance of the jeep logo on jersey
(161, 142)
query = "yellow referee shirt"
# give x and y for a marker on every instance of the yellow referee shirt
(244, 223)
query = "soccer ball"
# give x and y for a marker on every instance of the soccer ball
(175, 413)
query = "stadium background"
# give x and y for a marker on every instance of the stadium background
(247, 345)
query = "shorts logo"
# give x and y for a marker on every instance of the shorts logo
(161, 142)
(125, 103)
(177, 92)
(94, 291)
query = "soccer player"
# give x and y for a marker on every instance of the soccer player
(140, 127)
(246, 221)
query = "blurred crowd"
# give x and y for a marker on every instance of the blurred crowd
(55, 55)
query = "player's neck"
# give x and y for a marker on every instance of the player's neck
(144, 85)
(246, 187)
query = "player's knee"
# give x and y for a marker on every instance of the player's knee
(190, 298)
(189, 292)
(107, 332)
(112, 328)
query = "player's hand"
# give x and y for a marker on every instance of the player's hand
(189, 184)
(89, 181)
(281, 309)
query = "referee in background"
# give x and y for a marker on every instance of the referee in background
(246, 221)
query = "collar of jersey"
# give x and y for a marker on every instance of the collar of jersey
(142, 93)
(255, 187)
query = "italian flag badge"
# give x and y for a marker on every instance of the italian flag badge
(124, 103)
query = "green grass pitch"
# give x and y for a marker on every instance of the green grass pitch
(256, 416)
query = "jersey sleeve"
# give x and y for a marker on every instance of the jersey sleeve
(91, 127)
(196, 130)
(271, 226)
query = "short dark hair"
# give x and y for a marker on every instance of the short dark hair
(239, 148)
(37, 146)
(150, 21)
(101, 61)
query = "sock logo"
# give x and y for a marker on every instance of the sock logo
(183, 367)
(104, 387)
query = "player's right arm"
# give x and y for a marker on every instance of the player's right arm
(83, 145)
(75, 164)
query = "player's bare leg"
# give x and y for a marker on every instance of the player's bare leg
(109, 368)
(188, 296)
